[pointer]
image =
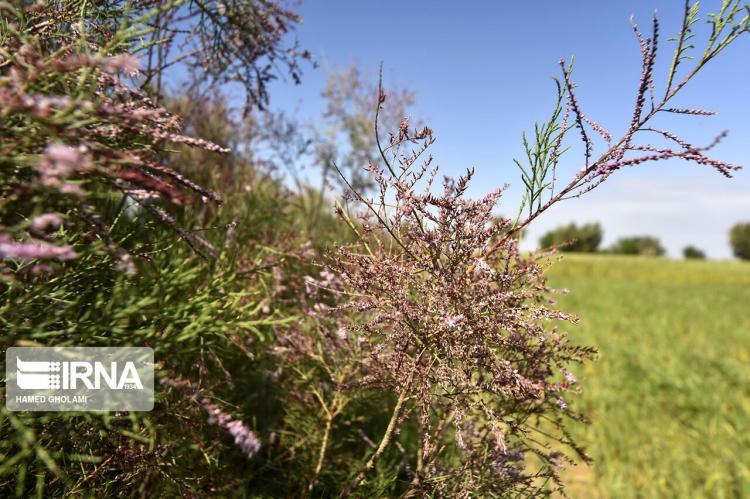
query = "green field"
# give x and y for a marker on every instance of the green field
(669, 396)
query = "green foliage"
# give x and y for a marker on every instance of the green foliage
(543, 155)
(574, 239)
(684, 45)
(203, 319)
(693, 253)
(637, 245)
(731, 21)
(132, 281)
(739, 238)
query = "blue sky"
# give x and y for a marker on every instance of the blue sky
(481, 72)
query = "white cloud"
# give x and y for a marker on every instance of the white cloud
(679, 210)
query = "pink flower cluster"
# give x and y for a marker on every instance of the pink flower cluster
(32, 250)
(59, 162)
(244, 437)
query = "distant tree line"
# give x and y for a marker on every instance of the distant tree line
(739, 239)
(574, 239)
(587, 238)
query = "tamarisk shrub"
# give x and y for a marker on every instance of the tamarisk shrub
(91, 167)
(456, 331)
(242, 43)
(455, 323)
(78, 142)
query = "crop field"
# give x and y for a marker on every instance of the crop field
(669, 396)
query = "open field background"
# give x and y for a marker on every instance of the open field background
(669, 397)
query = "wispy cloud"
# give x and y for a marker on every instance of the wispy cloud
(678, 210)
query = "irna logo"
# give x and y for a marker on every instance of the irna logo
(79, 379)
(36, 375)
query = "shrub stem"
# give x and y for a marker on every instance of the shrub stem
(323, 448)
(386, 440)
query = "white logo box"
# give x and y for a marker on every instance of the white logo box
(79, 379)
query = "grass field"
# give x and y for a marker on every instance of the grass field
(669, 396)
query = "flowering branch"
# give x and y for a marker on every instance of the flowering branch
(727, 26)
